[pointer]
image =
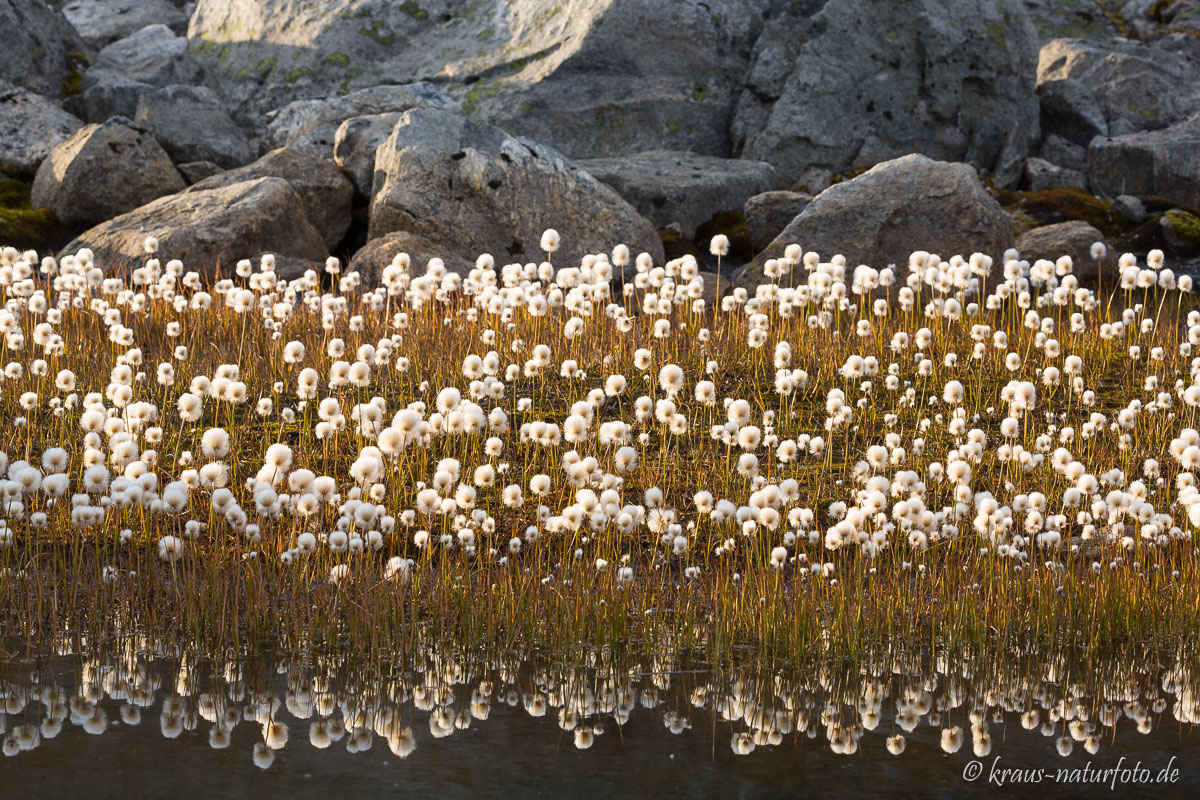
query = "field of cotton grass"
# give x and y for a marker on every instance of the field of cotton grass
(960, 449)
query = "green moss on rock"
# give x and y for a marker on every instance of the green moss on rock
(413, 10)
(72, 81)
(377, 33)
(1185, 225)
(1052, 206)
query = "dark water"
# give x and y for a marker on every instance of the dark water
(154, 723)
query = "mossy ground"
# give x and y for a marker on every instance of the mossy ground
(20, 224)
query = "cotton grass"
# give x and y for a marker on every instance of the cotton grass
(832, 454)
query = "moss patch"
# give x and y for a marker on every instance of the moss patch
(1023, 222)
(20, 225)
(1185, 225)
(73, 80)
(477, 92)
(414, 10)
(14, 194)
(297, 74)
(1063, 205)
(378, 33)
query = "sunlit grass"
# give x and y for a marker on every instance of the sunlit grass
(1001, 455)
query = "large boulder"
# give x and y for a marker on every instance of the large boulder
(324, 191)
(862, 81)
(1164, 163)
(474, 188)
(153, 55)
(376, 254)
(1041, 174)
(106, 93)
(312, 125)
(42, 52)
(30, 127)
(588, 77)
(103, 171)
(1070, 109)
(898, 207)
(195, 171)
(770, 212)
(1074, 239)
(667, 186)
(355, 143)
(101, 22)
(191, 124)
(214, 228)
(1145, 84)
(1064, 153)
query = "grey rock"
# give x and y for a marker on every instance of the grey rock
(101, 22)
(635, 75)
(862, 82)
(1122, 127)
(371, 259)
(591, 77)
(195, 171)
(1056, 19)
(1164, 163)
(898, 207)
(668, 186)
(324, 191)
(1171, 15)
(1074, 239)
(473, 188)
(41, 49)
(216, 227)
(30, 127)
(1146, 85)
(1182, 14)
(153, 55)
(767, 214)
(103, 171)
(191, 124)
(1070, 109)
(1064, 153)
(1131, 208)
(312, 125)
(355, 143)
(1041, 174)
(106, 93)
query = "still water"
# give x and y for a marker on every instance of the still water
(148, 720)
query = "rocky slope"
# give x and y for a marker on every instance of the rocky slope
(606, 119)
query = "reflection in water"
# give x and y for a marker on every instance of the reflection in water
(957, 701)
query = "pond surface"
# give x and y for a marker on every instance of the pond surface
(153, 722)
